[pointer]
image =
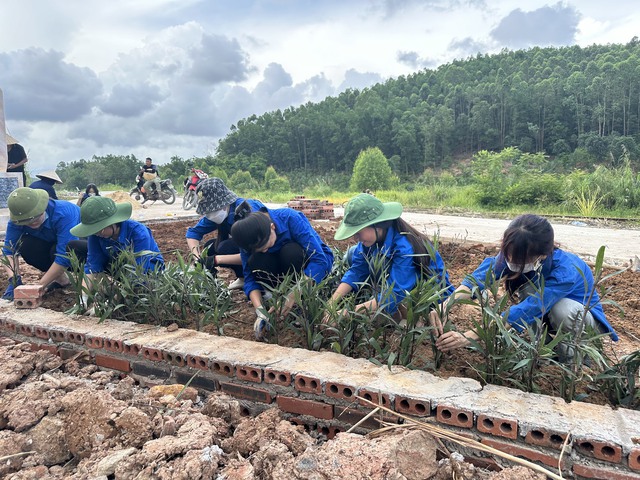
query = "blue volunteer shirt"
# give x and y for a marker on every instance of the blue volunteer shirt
(46, 186)
(564, 274)
(133, 236)
(402, 272)
(206, 226)
(293, 226)
(62, 216)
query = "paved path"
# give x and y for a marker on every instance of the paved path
(622, 245)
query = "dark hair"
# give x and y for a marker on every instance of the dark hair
(528, 236)
(420, 244)
(250, 230)
(92, 186)
(148, 158)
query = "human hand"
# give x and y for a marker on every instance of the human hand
(436, 323)
(330, 318)
(261, 325)
(451, 340)
(286, 308)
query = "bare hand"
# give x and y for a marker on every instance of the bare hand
(451, 341)
(436, 322)
(286, 308)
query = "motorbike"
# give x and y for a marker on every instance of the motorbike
(191, 183)
(167, 193)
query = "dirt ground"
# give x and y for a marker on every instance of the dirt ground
(460, 257)
(66, 420)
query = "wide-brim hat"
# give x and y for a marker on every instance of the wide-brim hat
(97, 213)
(51, 175)
(364, 210)
(213, 195)
(10, 140)
(26, 203)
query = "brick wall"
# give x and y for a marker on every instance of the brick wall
(318, 390)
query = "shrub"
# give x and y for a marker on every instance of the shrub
(372, 171)
(242, 181)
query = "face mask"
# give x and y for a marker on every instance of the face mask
(218, 216)
(528, 267)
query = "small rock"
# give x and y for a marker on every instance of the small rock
(173, 327)
(177, 390)
(107, 466)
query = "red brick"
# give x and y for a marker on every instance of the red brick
(41, 332)
(148, 369)
(248, 393)
(606, 451)
(10, 326)
(113, 363)
(94, 342)
(412, 406)
(49, 348)
(634, 458)
(454, 416)
(28, 292)
(277, 377)
(152, 354)
(75, 337)
(545, 438)
(57, 335)
(307, 384)
(27, 302)
(201, 381)
(25, 330)
(373, 396)
(338, 390)
(113, 345)
(483, 462)
(500, 427)
(131, 349)
(196, 361)
(330, 431)
(305, 407)
(222, 368)
(67, 353)
(174, 358)
(601, 473)
(547, 459)
(249, 374)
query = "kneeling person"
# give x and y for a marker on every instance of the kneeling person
(38, 231)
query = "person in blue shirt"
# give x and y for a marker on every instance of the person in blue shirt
(46, 181)
(110, 231)
(39, 231)
(406, 253)
(217, 205)
(273, 243)
(528, 259)
(90, 191)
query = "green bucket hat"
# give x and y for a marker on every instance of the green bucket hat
(364, 210)
(97, 213)
(25, 204)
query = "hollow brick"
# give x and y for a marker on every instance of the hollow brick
(41, 332)
(374, 397)
(113, 345)
(249, 374)
(173, 358)
(585, 470)
(75, 337)
(93, 342)
(606, 451)
(545, 438)
(340, 391)
(222, 368)
(277, 377)
(131, 349)
(454, 416)
(196, 361)
(500, 427)
(307, 384)
(57, 335)
(27, 292)
(152, 354)
(634, 458)
(25, 330)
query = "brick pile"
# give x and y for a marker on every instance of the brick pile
(313, 209)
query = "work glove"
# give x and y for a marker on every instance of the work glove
(13, 283)
(261, 325)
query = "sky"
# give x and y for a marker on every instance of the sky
(161, 78)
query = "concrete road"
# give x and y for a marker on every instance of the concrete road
(622, 245)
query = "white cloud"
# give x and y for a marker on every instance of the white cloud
(169, 77)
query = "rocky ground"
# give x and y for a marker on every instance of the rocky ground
(66, 420)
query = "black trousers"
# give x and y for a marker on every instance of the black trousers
(269, 268)
(41, 254)
(226, 247)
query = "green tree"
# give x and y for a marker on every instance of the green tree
(371, 171)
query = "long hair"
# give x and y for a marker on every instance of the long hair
(250, 230)
(92, 186)
(419, 243)
(527, 237)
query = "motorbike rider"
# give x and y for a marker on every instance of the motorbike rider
(149, 178)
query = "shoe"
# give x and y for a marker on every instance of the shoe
(266, 296)
(236, 284)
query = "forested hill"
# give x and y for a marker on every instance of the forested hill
(549, 100)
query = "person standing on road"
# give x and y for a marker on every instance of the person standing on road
(39, 231)
(273, 243)
(17, 158)
(407, 254)
(217, 205)
(545, 282)
(46, 181)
